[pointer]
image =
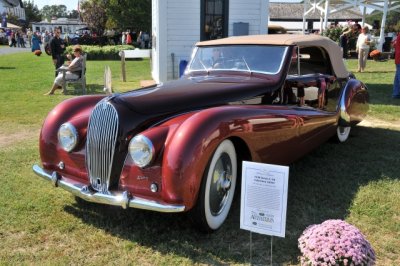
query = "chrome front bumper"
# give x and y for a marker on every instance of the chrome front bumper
(122, 199)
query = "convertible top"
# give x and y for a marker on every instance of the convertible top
(330, 46)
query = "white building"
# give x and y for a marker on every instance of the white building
(178, 24)
(14, 7)
(67, 25)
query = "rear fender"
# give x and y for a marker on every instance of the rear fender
(353, 104)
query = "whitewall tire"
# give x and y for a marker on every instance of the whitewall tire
(217, 188)
(342, 133)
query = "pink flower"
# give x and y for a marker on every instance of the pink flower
(335, 242)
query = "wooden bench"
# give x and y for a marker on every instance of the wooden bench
(81, 80)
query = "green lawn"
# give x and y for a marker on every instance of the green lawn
(357, 181)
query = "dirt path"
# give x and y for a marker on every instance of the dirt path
(22, 135)
(373, 122)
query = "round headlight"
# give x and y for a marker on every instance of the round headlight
(67, 136)
(141, 150)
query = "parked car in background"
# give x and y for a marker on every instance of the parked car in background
(179, 146)
(276, 29)
(72, 38)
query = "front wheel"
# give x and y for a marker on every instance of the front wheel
(342, 133)
(217, 189)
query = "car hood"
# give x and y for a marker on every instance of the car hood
(191, 93)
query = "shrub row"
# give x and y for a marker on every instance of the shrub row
(108, 52)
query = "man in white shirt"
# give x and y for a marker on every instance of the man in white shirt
(362, 47)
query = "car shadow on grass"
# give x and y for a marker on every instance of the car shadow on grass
(322, 186)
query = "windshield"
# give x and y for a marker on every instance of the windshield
(251, 58)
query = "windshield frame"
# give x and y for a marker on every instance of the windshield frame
(246, 66)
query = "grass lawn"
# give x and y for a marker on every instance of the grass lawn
(357, 181)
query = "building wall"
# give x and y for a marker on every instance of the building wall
(176, 30)
(249, 11)
(159, 41)
(17, 11)
(183, 31)
(66, 25)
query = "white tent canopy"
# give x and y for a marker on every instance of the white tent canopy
(12, 26)
(328, 7)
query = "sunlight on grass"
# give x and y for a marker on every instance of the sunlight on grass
(376, 211)
(41, 225)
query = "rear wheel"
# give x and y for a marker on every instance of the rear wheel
(217, 189)
(342, 133)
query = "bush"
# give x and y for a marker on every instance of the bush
(108, 52)
(333, 33)
(335, 242)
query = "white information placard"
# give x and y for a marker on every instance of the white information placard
(264, 198)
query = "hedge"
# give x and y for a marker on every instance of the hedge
(108, 52)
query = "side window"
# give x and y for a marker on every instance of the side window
(314, 60)
(310, 80)
(310, 60)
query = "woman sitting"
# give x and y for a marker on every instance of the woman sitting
(73, 70)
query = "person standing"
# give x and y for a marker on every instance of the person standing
(128, 38)
(21, 39)
(362, 47)
(45, 38)
(36, 41)
(123, 38)
(396, 83)
(344, 43)
(29, 34)
(13, 42)
(57, 48)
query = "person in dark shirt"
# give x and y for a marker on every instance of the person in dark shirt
(57, 48)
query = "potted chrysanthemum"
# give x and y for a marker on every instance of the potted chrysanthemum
(335, 242)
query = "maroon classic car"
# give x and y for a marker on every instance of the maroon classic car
(178, 146)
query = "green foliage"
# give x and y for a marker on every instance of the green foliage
(130, 14)
(73, 14)
(48, 12)
(102, 14)
(32, 13)
(333, 33)
(392, 20)
(14, 20)
(109, 52)
(93, 13)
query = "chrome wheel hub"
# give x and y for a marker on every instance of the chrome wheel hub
(220, 184)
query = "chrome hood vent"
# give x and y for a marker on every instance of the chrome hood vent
(101, 141)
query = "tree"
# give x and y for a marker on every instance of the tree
(93, 13)
(392, 20)
(54, 10)
(129, 14)
(73, 14)
(32, 13)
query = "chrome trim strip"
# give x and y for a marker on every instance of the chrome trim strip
(117, 199)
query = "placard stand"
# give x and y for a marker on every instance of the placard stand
(251, 248)
(263, 202)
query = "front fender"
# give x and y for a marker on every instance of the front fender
(353, 104)
(75, 110)
(189, 148)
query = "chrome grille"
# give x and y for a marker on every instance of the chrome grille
(100, 145)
